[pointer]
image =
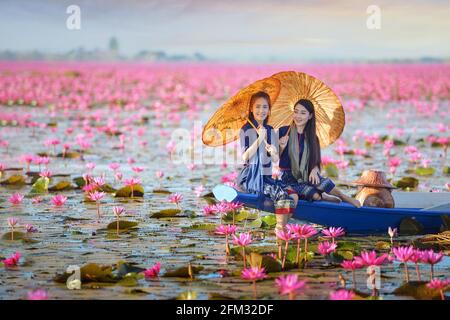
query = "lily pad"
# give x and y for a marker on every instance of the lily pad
(125, 192)
(446, 170)
(41, 185)
(422, 171)
(69, 155)
(15, 180)
(269, 221)
(108, 188)
(162, 191)
(202, 226)
(382, 245)
(407, 183)
(61, 186)
(123, 225)
(79, 181)
(166, 213)
(256, 223)
(124, 268)
(91, 272)
(267, 262)
(418, 290)
(183, 272)
(16, 235)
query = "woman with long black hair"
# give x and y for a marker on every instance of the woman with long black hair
(300, 159)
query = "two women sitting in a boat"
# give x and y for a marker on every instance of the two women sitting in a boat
(297, 149)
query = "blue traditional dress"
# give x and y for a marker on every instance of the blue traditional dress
(304, 189)
(256, 175)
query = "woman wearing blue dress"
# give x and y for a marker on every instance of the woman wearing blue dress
(258, 152)
(300, 159)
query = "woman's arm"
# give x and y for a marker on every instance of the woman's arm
(254, 147)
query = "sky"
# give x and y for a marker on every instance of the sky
(244, 30)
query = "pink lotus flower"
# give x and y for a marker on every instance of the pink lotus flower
(153, 272)
(243, 240)
(99, 181)
(440, 285)
(404, 254)
(431, 258)
(392, 233)
(118, 211)
(352, 265)
(30, 228)
(226, 230)
(96, 196)
(12, 261)
(114, 166)
(253, 274)
(303, 231)
(132, 182)
(16, 198)
(289, 285)
(59, 200)
(37, 295)
(199, 190)
(342, 295)
(333, 233)
(209, 210)
(137, 169)
(175, 198)
(371, 259)
(45, 174)
(12, 222)
(326, 248)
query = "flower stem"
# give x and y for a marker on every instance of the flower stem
(285, 254)
(406, 272)
(243, 255)
(418, 271)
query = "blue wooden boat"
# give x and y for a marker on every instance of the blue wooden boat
(363, 221)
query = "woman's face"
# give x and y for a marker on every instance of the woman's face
(301, 115)
(260, 109)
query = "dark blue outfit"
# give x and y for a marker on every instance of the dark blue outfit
(256, 175)
(305, 190)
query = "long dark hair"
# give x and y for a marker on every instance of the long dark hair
(311, 136)
(259, 94)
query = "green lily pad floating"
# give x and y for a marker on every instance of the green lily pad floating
(125, 192)
(91, 272)
(166, 213)
(79, 181)
(331, 170)
(256, 223)
(123, 225)
(202, 226)
(162, 191)
(418, 290)
(108, 188)
(269, 221)
(15, 180)
(183, 272)
(210, 200)
(69, 155)
(16, 235)
(446, 170)
(422, 171)
(409, 183)
(188, 295)
(267, 262)
(41, 185)
(61, 186)
(382, 245)
(124, 268)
